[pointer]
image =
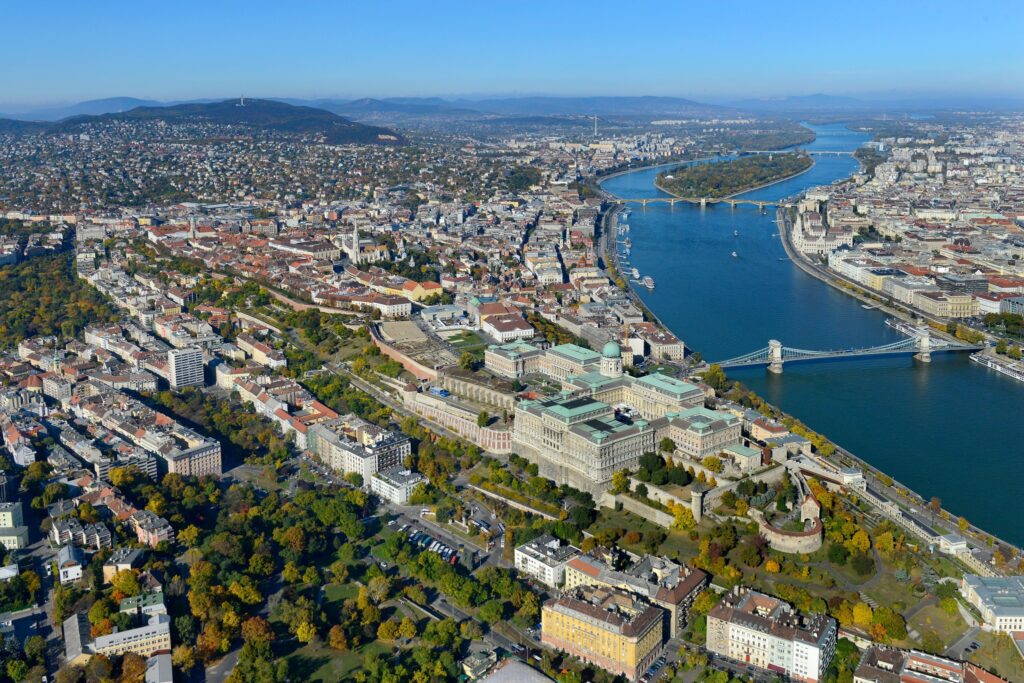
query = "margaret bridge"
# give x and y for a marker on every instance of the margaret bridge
(919, 344)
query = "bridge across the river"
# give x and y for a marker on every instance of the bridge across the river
(703, 201)
(920, 345)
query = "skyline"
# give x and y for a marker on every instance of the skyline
(710, 54)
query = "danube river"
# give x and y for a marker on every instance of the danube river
(948, 429)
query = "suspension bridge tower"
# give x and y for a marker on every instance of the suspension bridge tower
(775, 356)
(924, 346)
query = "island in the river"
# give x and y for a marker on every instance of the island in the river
(726, 178)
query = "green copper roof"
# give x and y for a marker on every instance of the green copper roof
(576, 353)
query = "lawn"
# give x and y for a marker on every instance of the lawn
(315, 662)
(999, 655)
(949, 627)
(889, 591)
(466, 340)
(339, 592)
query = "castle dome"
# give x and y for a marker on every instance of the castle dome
(611, 350)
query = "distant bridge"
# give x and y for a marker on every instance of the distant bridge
(815, 152)
(920, 345)
(703, 201)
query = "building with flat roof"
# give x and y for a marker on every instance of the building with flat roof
(601, 422)
(513, 360)
(396, 484)
(579, 440)
(1000, 599)
(185, 368)
(667, 584)
(146, 640)
(764, 631)
(544, 559)
(345, 447)
(607, 627)
(699, 432)
(13, 532)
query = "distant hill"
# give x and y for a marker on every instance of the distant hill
(90, 107)
(15, 126)
(399, 106)
(599, 106)
(268, 115)
(816, 102)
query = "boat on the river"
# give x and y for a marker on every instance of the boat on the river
(648, 282)
(735, 255)
(636, 273)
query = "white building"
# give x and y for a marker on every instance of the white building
(13, 532)
(69, 564)
(1000, 600)
(544, 558)
(395, 484)
(185, 368)
(761, 630)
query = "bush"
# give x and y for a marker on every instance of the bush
(863, 565)
(838, 555)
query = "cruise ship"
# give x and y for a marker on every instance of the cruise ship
(1010, 369)
(636, 273)
(648, 282)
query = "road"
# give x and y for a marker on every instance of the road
(956, 650)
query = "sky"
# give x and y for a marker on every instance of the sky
(709, 50)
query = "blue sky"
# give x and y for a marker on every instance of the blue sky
(60, 51)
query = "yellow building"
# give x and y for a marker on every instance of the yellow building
(607, 627)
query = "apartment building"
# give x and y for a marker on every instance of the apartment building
(761, 630)
(607, 627)
(667, 584)
(185, 368)
(395, 484)
(544, 558)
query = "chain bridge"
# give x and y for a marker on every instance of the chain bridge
(919, 344)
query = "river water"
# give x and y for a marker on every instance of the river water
(946, 429)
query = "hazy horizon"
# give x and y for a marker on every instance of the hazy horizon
(188, 50)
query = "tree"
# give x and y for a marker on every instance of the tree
(715, 377)
(257, 631)
(17, 669)
(482, 418)
(772, 566)
(713, 463)
(183, 657)
(189, 536)
(860, 542)
(862, 615)
(620, 482)
(467, 361)
(641, 490)
(133, 668)
(667, 445)
(407, 629)
(306, 632)
(682, 517)
(935, 504)
(35, 649)
(863, 564)
(337, 639)
(388, 630)
(126, 583)
(962, 524)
